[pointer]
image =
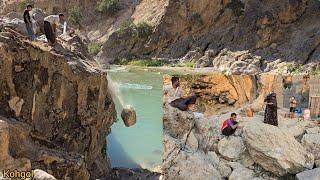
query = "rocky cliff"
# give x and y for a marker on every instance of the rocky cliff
(247, 36)
(229, 35)
(220, 93)
(55, 108)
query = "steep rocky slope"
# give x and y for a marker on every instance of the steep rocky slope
(234, 35)
(256, 35)
(53, 119)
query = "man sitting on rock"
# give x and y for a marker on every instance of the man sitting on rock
(50, 27)
(175, 96)
(230, 125)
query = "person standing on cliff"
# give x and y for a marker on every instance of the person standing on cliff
(50, 27)
(176, 98)
(270, 115)
(28, 22)
(293, 106)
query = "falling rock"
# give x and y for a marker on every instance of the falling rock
(231, 147)
(276, 150)
(313, 174)
(42, 175)
(128, 116)
(241, 174)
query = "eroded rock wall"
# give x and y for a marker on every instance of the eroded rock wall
(57, 106)
(242, 36)
(219, 92)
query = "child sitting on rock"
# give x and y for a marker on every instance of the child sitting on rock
(230, 125)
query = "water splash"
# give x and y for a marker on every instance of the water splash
(115, 91)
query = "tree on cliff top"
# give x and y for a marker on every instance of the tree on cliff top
(23, 4)
(75, 16)
(108, 6)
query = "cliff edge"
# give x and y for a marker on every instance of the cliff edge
(56, 107)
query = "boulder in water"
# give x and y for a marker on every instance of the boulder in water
(128, 116)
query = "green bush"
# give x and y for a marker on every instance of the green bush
(122, 61)
(294, 68)
(139, 62)
(187, 64)
(75, 16)
(127, 27)
(237, 7)
(141, 30)
(94, 48)
(108, 6)
(23, 4)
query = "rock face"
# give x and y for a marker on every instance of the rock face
(231, 147)
(177, 123)
(241, 36)
(276, 151)
(41, 175)
(57, 120)
(313, 174)
(312, 143)
(128, 115)
(232, 35)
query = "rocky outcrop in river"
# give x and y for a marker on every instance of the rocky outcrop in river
(51, 117)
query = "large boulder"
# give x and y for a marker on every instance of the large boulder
(276, 150)
(231, 147)
(42, 175)
(241, 174)
(192, 166)
(129, 116)
(177, 123)
(312, 143)
(313, 174)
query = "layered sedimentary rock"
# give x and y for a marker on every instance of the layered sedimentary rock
(56, 105)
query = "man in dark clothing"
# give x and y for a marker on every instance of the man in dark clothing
(230, 125)
(27, 21)
(270, 115)
(50, 27)
(176, 100)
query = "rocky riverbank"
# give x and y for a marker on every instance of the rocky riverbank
(195, 148)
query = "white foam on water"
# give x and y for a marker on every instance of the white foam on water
(136, 86)
(120, 69)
